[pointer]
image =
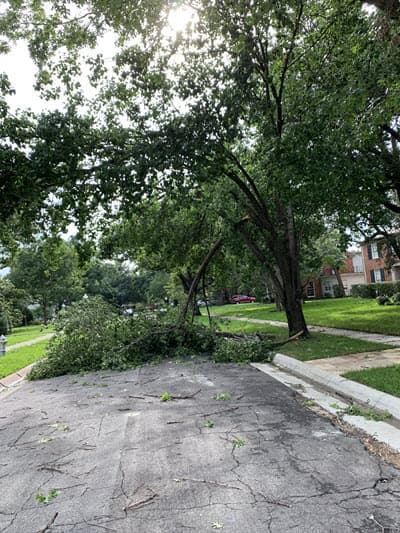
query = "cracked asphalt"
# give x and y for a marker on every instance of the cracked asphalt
(106, 454)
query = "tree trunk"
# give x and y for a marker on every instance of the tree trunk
(341, 291)
(44, 306)
(278, 302)
(294, 313)
(287, 256)
(292, 297)
(197, 278)
(286, 277)
(186, 284)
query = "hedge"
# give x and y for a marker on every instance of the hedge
(372, 290)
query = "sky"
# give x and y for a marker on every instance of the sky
(21, 70)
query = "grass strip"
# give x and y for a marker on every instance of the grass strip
(16, 359)
(27, 333)
(348, 313)
(386, 379)
(317, 346)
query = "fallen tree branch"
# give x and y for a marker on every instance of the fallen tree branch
(207, 482)
(136, 505)
(185, 397)
(244, 336)
(289, 339)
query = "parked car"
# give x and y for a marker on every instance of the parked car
(242, 299)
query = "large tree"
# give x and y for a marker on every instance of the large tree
(48, 271)
(262, 96)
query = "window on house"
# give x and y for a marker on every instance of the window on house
(310, 290)
(374, 251)
(379, 275)
(358, 268)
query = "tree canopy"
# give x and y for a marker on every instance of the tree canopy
(49, 273)
(288, 107)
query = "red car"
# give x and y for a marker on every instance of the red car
(242, 299)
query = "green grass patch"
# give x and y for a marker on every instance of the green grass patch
(27, 333)
(317, 346)
(16, 359)
(385, 379)
(322, 345)
(347, 313)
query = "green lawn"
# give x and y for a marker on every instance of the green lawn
(27, 333)
(16, 359)
(348, 313)
(317, 346)
(385, 379)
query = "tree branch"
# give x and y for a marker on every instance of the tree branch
(286, 64)
(259, 217)
(196, 280)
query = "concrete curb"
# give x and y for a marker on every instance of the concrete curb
(342, 386)
(14, 379)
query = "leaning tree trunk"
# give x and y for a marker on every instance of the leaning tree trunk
(198, 276)
(341, 291)
(292, 297)
(186, 284)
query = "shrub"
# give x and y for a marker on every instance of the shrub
(364, 290)
(372, 290)
(386, 288)
(396, 298)
(4, 324)
(382, 300)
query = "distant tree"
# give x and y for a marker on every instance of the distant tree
(13, 302)
(329, 250)
(157, 289)
(114, 282)
(48, 271)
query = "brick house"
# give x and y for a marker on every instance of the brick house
(376, 255)
(369, 265)
(352, 273)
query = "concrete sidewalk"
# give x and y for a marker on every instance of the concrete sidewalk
(330, 380)
(392, 340)
(326, 372)
(357, 361)
(30, 342)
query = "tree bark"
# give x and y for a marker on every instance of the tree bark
(44, 306)
(292, 294)
(286, 279)
(197, 278)
(186, 284)
(341, 291)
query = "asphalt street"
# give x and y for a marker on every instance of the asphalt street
(234, 450)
